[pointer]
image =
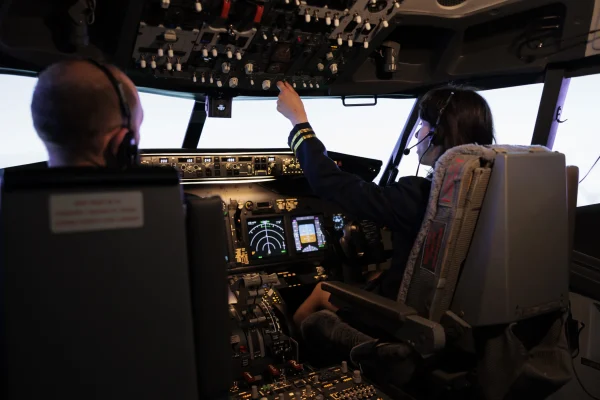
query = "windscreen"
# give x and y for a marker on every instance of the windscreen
(369, 131)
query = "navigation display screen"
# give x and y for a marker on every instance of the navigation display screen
(266, 237)
(308, 234)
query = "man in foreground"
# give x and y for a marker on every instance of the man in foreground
(87, 114)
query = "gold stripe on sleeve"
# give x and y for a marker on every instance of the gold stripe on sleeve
(298, 134)
(302, 139)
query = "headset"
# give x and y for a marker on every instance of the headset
(435, 139)
(127, 153)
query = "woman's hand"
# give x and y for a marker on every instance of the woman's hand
(290, 105)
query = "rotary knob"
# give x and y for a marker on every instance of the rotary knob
(266, 84)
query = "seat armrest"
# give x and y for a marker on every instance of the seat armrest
(401, 321)
(368, 301)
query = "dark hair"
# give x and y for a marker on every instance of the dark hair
(466, 119)
(73, 105)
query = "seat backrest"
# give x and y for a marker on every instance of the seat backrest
(458, 190)
(95, 287)
(517, 267)
(207, 249)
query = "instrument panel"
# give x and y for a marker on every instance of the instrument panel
(273, 237)
(228, 44)
(218, 165)
(209, 167)
(272, 216)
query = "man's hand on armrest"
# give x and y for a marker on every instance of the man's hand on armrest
(361, 299)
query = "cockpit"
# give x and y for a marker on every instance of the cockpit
(189, 274)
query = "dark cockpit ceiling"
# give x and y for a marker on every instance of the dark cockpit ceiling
(324, 47)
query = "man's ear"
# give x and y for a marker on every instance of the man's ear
(116, 139)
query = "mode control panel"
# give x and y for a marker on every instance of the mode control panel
(213, 166)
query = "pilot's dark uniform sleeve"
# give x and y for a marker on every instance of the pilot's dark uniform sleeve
(394, 206)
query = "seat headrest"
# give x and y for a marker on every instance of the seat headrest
(23, 179)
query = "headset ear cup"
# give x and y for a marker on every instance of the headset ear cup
(436, 138)
(127, 153)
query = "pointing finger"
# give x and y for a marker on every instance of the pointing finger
(281, 86)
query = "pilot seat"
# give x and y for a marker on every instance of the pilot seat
(94, 285)
(482, 306)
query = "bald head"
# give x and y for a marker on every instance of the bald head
(76, 112)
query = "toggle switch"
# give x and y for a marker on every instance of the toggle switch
(169, 65)
(160, 52)
(249, 68)
(340, 41)
(225, 67)
(214, 52)
(170, 52)
(178, 65)
(238, 55)
(204, 52)
(328, 19)
(143, 62)
(229, 53)
(198, 6)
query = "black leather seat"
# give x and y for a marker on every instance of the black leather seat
(95, 286)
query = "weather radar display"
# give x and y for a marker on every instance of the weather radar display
(266, 237)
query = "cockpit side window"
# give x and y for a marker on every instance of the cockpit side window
(578, 137)
(165, 123)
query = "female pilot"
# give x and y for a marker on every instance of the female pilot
(462, 116)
